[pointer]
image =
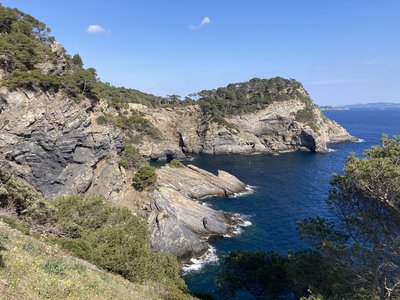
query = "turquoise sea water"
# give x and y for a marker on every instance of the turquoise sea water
(288, 188)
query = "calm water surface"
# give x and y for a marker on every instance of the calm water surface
(288, 188)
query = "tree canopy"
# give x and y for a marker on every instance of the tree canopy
(245, 97)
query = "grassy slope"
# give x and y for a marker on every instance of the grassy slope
(35, 270)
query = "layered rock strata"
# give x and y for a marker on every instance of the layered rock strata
(178, 223)
(271, 130)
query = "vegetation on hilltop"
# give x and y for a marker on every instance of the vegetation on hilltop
(250, 96)
(246, 97)
(357, 257)
(27, 56)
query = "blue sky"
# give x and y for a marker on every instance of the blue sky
(343, 51)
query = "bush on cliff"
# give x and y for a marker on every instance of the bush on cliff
(112, 238)
(19, 198)
(175, 164)
(89, 227)
(145, 177)
(131, 158)
(138, 123)
(32, 80)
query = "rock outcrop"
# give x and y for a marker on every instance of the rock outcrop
(272, 130)
(55, 142)
(178, 223)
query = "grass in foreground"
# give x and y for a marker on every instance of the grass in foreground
(35, 270)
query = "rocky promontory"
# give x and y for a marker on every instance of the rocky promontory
(287, 125)
(177, 214)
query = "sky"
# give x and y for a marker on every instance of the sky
(343, 51)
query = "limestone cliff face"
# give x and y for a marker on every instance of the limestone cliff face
(273, 129)
(54, 141)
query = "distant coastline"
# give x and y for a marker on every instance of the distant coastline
(333, 108)
(368, 106)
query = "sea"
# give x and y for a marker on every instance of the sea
(285, 189)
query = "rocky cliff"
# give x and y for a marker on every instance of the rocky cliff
(177, 214)
(273, 129)
(53, 142)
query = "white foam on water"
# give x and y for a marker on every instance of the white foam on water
(248, 191)
(237, 231)
(360, 141)
(331, 150)
(246, 224)
(196, 265)
(287, 151)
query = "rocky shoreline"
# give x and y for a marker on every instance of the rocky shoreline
(190, 223)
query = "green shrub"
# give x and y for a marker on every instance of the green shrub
(136, 123)
(101, 120)
(32, 80)
(14, 223)
(221, 120)
(113, 239)
(55, 266)
(15, 192)
(24, 199)
(175, 164)
(131, 158)
(307, 116)
(144, 177)
(30, 248)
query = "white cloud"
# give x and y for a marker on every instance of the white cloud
(204, 22)
(95, 29)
